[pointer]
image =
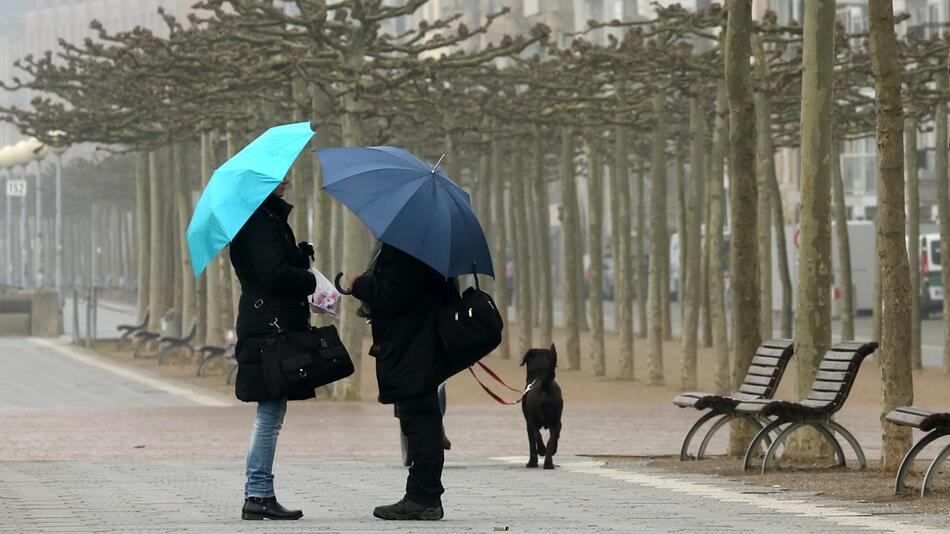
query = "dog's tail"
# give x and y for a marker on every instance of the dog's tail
(548, 377)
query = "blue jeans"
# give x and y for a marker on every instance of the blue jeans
(260, 457)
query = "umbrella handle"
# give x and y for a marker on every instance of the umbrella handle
(336, 282)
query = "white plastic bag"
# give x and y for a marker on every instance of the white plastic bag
(325, 299)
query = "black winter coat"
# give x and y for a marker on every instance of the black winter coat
(403, 295)
(275, 284)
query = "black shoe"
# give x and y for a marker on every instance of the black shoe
(257, 508)
(406, 509)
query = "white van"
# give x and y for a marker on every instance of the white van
(931, 283)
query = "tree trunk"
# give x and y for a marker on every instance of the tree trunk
(595, 247)
(658, 241)
(943, 202)
(742, 190)
(913, 233)
(546, 295)
(623, 266)
(322, 206)
(183, 202)
(356, 239)
(143, 241)
(214, 333)
(569, 252)
(896, 377)
(844, 247)
(813, 309)
(765, 160)
(519, 232)
(692, 293)
(781, 247)
(642, 262)
(717, 296)
(500, 224)
(298, 178)
(682, 230)
(157, 240)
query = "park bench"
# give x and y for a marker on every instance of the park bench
(171, 343)
(761, 381)
(143, 337)
(937, 425)
(211, 353)
(128, 330)
(830, 389)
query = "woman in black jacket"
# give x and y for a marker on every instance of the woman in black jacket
(402, 296)
(275, 282)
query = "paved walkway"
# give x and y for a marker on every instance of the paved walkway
(89, 446)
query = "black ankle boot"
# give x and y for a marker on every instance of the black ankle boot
(406, 509)
(256, 508)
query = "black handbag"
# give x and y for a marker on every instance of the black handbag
(470, 327)
(307, 359)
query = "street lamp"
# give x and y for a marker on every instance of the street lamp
(22, 155)
(39, 151)
(6, 164)
(58, 148)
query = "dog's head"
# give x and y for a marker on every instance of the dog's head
(540, 363)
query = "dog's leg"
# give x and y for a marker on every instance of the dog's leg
(532, 446)
(552, 446)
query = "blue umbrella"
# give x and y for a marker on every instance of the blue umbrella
(410, 205)
(239, 186)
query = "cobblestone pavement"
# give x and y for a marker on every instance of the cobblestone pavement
(88, 446)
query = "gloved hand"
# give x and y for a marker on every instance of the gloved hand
(306, 249)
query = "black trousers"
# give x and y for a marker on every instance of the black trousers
(421, 421)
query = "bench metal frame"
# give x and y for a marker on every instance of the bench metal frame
(169, 344)
(938, 425)
(128, 330)
(829, 391)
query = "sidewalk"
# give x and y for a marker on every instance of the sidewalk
(481, 494)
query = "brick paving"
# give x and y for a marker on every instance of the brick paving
(83, 450)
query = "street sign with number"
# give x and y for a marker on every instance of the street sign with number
(16, 188)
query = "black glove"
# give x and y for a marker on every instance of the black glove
(306, 249)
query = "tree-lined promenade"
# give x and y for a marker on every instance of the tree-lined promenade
(667, 104)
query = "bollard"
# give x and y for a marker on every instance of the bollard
(75, 316)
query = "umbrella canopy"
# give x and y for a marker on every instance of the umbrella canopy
(410, 205)
(239, 186)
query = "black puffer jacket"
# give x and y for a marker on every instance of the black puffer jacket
(275, 284)
(403, 296)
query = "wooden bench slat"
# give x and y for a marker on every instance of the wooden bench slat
(917, 410)
(823, 395)
(827, 385)
(832, 375)
(758, 380)
(753, 390)
(905, 419)
(848, 345)
(779, 343)
(816, 404)
(841, 356)
(834, 366)
(762, 371)
(766, 361)
(766, 351)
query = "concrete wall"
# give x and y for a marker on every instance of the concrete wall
(29, 313)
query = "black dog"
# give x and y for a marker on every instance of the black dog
(542, 404)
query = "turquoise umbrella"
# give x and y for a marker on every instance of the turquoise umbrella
(239, 186)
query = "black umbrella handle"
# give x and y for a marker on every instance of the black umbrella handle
(336, 282)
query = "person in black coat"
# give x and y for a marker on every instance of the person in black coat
(275, 282)
(402, 296)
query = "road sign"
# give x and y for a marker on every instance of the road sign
(16, 188)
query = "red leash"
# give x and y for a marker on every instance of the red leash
(491, 393)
